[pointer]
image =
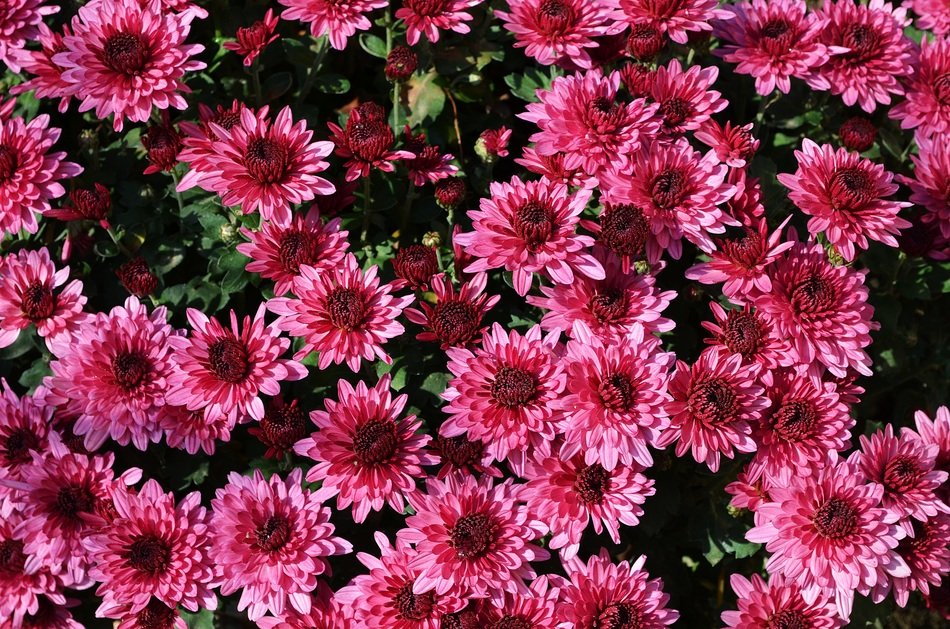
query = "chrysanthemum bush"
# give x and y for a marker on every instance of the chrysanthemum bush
(457, 314)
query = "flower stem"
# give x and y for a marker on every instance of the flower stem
(322, 46)
(367, 208)
(118, 242)
(256, 82)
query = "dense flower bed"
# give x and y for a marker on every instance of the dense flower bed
(444, 314)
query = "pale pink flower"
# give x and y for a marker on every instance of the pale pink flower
(778, 603)
(337, 19)
(676, 18)
(428, 17)
(684, 97)
(926, 107)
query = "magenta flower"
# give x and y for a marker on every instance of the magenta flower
(25, 424)
(455, 320)
(930, 185)
(936, 431)
(198, 139)
(552, 167)
(337, 19)
(926, 551)
(429, 164)
(676, 18)
(366, 142)
(537, 610)
(734, 145)
(745, 332)
(428, 17)
(684, 98)
(927, 107)
(196, 430)
(20, 22)
(778, 603)
(932, 15)
(325, 613)
(47, 80)
(252, 40)
(464, 456)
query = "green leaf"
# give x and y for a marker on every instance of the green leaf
(332, 84)
(202, 620)
(435, 383)
(525, 85)
(713, 552)
(33, 377)
(197, 477)
(276, 86)
(373, 45)
(425, 98)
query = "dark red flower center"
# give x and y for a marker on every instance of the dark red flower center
(346, 309)
(624, 230)
(149, 553)
(450, 192)
(401, 63)
(273, 534)
(920, 544)
(266, 160)
(534, 223)
(555, 17)
(850, 188)
(609, 305)
(746, 252)
(283, 426)
(459, 451)
(617, 392)
(130, 369)
(413, 606)
(713, 402)
(465, 619)
(669, 188)
(137, 278)
(156, 615)
(942, 88)
(514, 387)
(901, 474)
(605, 115)
(472, 535)
(777, 36)
(592, 483)
(813, 295)
(163, 145)
(863, 40)
(835, 519)
(12, 558)
(228, 360)
(37, 301)
(416, 264)
(789, 619)
(18, 444)
(774, 28)
(795, 420)
(369, 138)
(74, 499)
(92, 204)
(375, 442)
(645, 41)
(743, 333)
(620, 616)
(455, 321)
(9, 162)
(511, 622)
(227, 118)
(296, 247)
(126, 53)
(427, 8)
(675, 111)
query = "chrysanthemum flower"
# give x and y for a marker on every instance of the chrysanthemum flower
(734, 145)
(936, 431)
(24, 430)
(282, 426)
(455, 320)
(383, 598)
(462, 455)
(197, 430)
(828, 535)
(337, 19)
(29, 172)
(277, 252)
(137, 278)
(401, 63)
(198, 139)
(503, 393)
(270, 540)
(871, 52)
(582, 118)
(676, 18)
(47, 80)
(416, 265)
(472, 537)
(857, 133)
(51, 615)
(933, 15)
(927, 104)
(771, 41)
(926, 551)
(821, 309)
(124, 58)
(604, 594)
(679, 192)
(684, 98)
(558, 31)
(429, 164)
(155, 615)
(745, 332)
(846, 196)
(428, 17)
(20, 22)
(326, 612)
(778, 603)
(162, 144)
(746, 205)
(225, 370)
(366, 142)
(342, 313)
(85, 204)
(114, 374)
(930, 185)
(715, 403)
(251, 41)
(366, 454)
(29, 295)
(265, 165)
(529, 228)
(552, 167)
(537, 610)
(153, 547)
(571, 494)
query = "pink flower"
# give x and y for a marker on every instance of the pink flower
(552, 167)
(537, 610)
(50, 615)
(337, 19)
(154, 614)
(464, 456)
(772, 41)
(153, 547)
(278, 251)
(123, 58)
(684, 98)
(455, 320)
(325, 613)
(845, 194)
(264, 166)
(20, 22)
(47, 81)
(930, 185)
(27, 284)
(778, 603)
(927, 104)
(282, 426)
(582, 118)
(676, 18)
(366, 142)
(342, 313)
(24, 430)
(926, 551)
(416, 265)
(29, 172)
(528, 228)
(604, 594)
(428, 165)
(932, 15)
(821, 309)
(570, 494)
(493, 143)
(270, 540)
(935, 431)
(198, 140)
(827, 535)
(196, 430)
(745, 332)
(252, 40)
(114, 374)
(364, 451)
(559, 31)
(716, 401)
(504, 393)
(734, 146)
(428, 17)
(870, 52)
(472, 537)
(225, 371)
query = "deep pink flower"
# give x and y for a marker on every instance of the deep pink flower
(926, 551)
(746, 205)
(337, 19)
(342, 313)
(827, 534)
(778, 603)
(552, 167)
(676, 18)
(462, 455)
(429, 164)
(932, 15)
(857, 133)
(751, 488)
(604, 594)
(270, 540)
(684, 98)
(225, 370)
(936, 431)
(365, 453)
(582, 118)
(428, 17)
(930, 185)
(325, 613)
(455, 319)
(745, 332)
(927, 104)
(85, 204)
(24, 430)
(153, 547)
(50, 615)
(493, 143)
(20, 22)
(527, 228)
(124, 58)
(282, 426)
(472, 537)
(155, 615)
(366, 142)
(277, 252)
(162, 144)
(416, 266)
(251, 41)
(870, 52)
(47, 81)
(537, 610)
(734, 145)
(198, 139)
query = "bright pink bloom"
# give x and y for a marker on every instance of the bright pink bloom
(455, 320)
(827, 534)
(428, 17)
(684, 98)
(196, 430)
(746, 205)
(252, 40)
(493, 143)
(772, 41)
(198, 139)
(20, 22)
(745, 332)
(870, 52)
(930, 185)
(528, 228)
(778, 603)
(365, 453)
(24, 430)
(926, 551)
(155, 614)
(270, 538)
(932, 15)
(552, 167)
(277, 252)
(472, 537)
(124, 58)
(751, 489)
(927, 104)
(337, 19)
(342, 313)
(225, 370)
(734, 146)
(153, 547)
(47, 81)
(429, 165)
(676, 18)
(936, 431)
(325, 613)
(366, 142)
(51, 615)
(604, 594)
(582, 118)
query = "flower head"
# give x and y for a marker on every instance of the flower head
(337, 19)
(429, 164)
(137, 278)
(251, 41)
(21, 21)
(47, 81)
(745, 332)
(282, 426)
(455, 320)
(684, 98)
(24, 430)
(676, 18)
(930, 185)
(428, 17)
(734, 146)
(778, 603)
(926, 551)
(366, 142)
(401, 62)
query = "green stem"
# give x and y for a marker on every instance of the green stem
(118, 242)
(396, 95)
(181, 203)
(367, 208)
(322, 46)
(406, 211)
(256, 82)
